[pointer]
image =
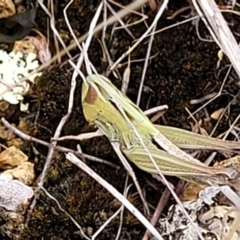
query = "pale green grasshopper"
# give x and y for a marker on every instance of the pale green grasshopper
(101, 109)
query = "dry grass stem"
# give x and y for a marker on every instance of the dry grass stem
(115, 193)
(222, 32)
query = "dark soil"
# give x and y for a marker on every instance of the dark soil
(184, 69)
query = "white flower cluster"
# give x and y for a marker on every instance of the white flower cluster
(14, 67)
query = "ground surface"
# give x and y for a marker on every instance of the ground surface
(183, 68)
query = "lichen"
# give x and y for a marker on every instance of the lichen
(13, 68)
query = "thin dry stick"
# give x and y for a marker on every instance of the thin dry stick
(138, 60)
(173, 25)
(69, 25)
(56, 37)
(26, 137)
(104, 45)
(161, 204)
(206, 23)
(126, 77)
(95, 235)
(159, 14)
(56, 34)
(179, 11)
(120, 21)
(115, 193)
(114, 215)
(222, 114)
(196, 23)
(59, 206)
(218, 24)
(203, 99)
(48, 36)
(231, 127)
(156, 109)
(126, 189)
(60, 126)
(218, 94)
(130, 10)
(131, 24)
(146, 64)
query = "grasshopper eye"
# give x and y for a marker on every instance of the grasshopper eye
(91, 95)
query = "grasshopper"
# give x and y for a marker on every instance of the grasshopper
(99, 101)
